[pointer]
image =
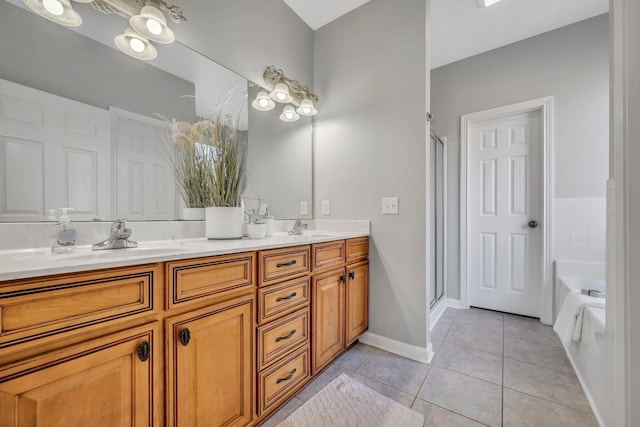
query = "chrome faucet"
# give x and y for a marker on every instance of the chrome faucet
(298, 227)
(118, 238)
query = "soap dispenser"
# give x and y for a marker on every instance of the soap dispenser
(63, 239)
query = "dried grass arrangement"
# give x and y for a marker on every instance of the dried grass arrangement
(209, 158)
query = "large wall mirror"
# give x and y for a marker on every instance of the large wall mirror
(84, 125)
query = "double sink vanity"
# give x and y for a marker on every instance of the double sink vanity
(185, 332)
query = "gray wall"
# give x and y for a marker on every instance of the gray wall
(247, 35)
(48, 57)
(572, 64)
(370, 69)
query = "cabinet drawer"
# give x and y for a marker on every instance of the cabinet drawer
(37, 308)
(209, 278)
(357, 248)
(328, 254)
(278, 300)
(281, 381)
(281, 336)
(279, 264)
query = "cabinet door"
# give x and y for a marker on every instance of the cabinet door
(328, 317)
(211, 368)
(110, 381)
(357, 301)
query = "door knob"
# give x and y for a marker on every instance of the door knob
(533, 223)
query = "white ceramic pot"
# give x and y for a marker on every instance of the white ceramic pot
(193, 214)
(224, 223)
(256, 230)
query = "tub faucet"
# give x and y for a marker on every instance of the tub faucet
(118, 238)
(298, 227)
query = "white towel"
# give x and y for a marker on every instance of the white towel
(569, 322)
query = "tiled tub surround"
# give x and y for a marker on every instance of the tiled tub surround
(490, 369)
(579, 229)
(158, 241)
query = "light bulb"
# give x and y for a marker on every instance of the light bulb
(54, 7)
(136, 44)
(264, 103)
(281, 96)
(288, 115)
(154, 26)
(306, 110)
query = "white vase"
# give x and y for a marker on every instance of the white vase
(193, 214)
(224, 223)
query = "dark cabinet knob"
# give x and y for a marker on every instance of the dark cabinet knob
(144, 351)
(185, 336)
(533, 223)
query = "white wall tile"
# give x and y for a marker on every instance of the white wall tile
(579, 229)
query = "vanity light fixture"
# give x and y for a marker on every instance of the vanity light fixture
(152, 24)
(146, 18)
(286, 91)
(289, 114)
(58, 11)
(263, 102)
(281, 94)
(135, 45)
(306, 108)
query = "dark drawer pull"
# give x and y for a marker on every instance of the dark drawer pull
(144, 351)
(286, 337)
(352, 274)
(286, 264)
(288, 377)
(286, 298)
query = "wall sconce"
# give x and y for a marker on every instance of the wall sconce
(146, 24)
(285, 91)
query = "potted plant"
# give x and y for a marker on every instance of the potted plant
(210, 162)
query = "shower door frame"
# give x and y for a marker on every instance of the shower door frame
(443, 141)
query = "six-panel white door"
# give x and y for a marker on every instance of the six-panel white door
(504, 195)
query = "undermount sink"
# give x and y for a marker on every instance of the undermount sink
(87, 254)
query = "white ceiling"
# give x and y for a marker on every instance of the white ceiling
(317, 13)
(460, 28)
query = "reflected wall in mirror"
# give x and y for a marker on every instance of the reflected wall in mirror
(83, 125)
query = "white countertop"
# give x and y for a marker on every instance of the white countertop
(26, 263)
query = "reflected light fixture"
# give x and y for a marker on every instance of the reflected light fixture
(58, 11)
(135, 45)
(281, 94)
(289, 114)
(263, 102)
(306, 108)
(487, 3)
(152, 24)
(147, 20)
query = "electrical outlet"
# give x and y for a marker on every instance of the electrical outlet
(326, 207)
(390, 206)
(303, 208)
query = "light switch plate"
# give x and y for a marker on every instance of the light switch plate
(303, 208)
(390, 206)
(326, 207)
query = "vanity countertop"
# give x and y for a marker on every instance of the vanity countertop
(26, 263)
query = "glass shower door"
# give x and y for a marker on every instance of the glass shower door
(437, 226)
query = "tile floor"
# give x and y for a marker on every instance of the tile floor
(490, 369)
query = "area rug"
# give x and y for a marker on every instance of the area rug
(344, 402)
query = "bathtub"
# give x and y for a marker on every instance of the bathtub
(589, 355)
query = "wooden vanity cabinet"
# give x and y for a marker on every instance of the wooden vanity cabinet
(109, 381)
(340, 302)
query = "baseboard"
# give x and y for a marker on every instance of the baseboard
(594, 409)
(439, 309)
(419, 354)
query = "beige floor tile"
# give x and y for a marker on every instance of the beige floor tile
(476, 340)
(472, 362)
(439, 331)
(531, 330)
(353, 358)
(436, 345)
(450, 314)
(549, 384)
(440, 417)
(283, 412)
(399, 396)
(476, 325)
(548, 356)
(465, 395)
(522, 410)
(395, 371)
